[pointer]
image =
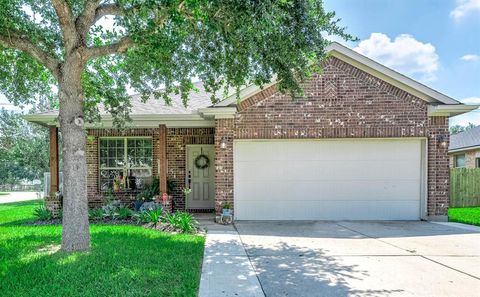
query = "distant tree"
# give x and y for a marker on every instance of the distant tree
(455, 129)
(154, 43)
(23, 149)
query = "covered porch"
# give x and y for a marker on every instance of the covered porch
(179, 157)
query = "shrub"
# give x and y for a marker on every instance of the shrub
(95, 214)
(142, 217)
(185, 222)
(123, 213)
(43, 213)
(150, 216)
(170, 219)
(110, 209)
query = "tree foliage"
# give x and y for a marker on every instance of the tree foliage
(455, 129)
(167, 44)
(23, 149)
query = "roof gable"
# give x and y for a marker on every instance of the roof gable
(369, 66)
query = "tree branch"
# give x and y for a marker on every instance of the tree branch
(118, 47)
(67, 23)
(22, 43)
(86, 18)
(108, 9)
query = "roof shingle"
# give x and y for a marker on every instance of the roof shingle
(469, 138)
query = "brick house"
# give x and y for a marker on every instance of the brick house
(464, 149)
(364, 143)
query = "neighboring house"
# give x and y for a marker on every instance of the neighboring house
(464, 149)
(364, 143)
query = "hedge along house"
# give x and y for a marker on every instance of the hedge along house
(365, 143)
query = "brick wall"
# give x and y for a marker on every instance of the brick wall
(224, 129)
(343, 102)
(438, 171)
(177, 139)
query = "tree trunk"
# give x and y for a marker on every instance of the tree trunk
(75, 233)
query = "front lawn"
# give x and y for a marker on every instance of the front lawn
(124, 260)
(466, 215)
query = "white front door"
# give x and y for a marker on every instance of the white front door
(201, 180)
(355, 179)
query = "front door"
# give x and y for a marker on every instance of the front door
(201, 176)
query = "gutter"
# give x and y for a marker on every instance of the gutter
(450, 110)
(138, 121)
(462, 149)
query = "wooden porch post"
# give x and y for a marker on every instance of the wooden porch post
(54, 176)
(162, 170)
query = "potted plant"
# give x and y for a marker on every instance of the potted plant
(116, 184)
(226, 209)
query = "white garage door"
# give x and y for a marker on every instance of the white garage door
(328, 180)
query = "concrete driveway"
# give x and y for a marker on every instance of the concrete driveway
(19, 196)
(363, 258)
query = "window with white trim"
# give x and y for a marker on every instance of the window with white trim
(125, 163)
(460, 161)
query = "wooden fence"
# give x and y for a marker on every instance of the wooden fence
(464, 187)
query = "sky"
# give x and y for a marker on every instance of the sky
(436, 42)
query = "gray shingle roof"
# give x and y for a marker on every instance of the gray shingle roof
(197, 100)
(200, 99)
(469, 138)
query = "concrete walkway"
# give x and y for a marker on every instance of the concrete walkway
(226, 269)
(19, 196)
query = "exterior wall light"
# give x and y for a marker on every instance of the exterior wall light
(223, 143)
(442, 141)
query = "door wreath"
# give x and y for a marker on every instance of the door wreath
(202, 161)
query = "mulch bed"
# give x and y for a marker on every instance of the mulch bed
(104, 221)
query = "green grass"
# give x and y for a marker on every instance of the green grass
(123, 261)
(466, 215)
(3, 194)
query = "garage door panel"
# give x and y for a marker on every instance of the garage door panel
(330, 190)
(328, 210)
(331, 170)
(332, 150)
(356, 179)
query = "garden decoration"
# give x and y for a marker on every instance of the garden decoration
(202, 161)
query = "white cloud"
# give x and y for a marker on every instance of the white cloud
(471, 100)
(470, 58)
(464, 7)
(404, 54)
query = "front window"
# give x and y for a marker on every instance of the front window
(460, 161)
(125, 163)
(478, 163)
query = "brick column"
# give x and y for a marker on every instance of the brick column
(438, 168)
(162, 157)
(224, 130)
(52, 202)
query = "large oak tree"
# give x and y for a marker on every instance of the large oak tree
(156, 47)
